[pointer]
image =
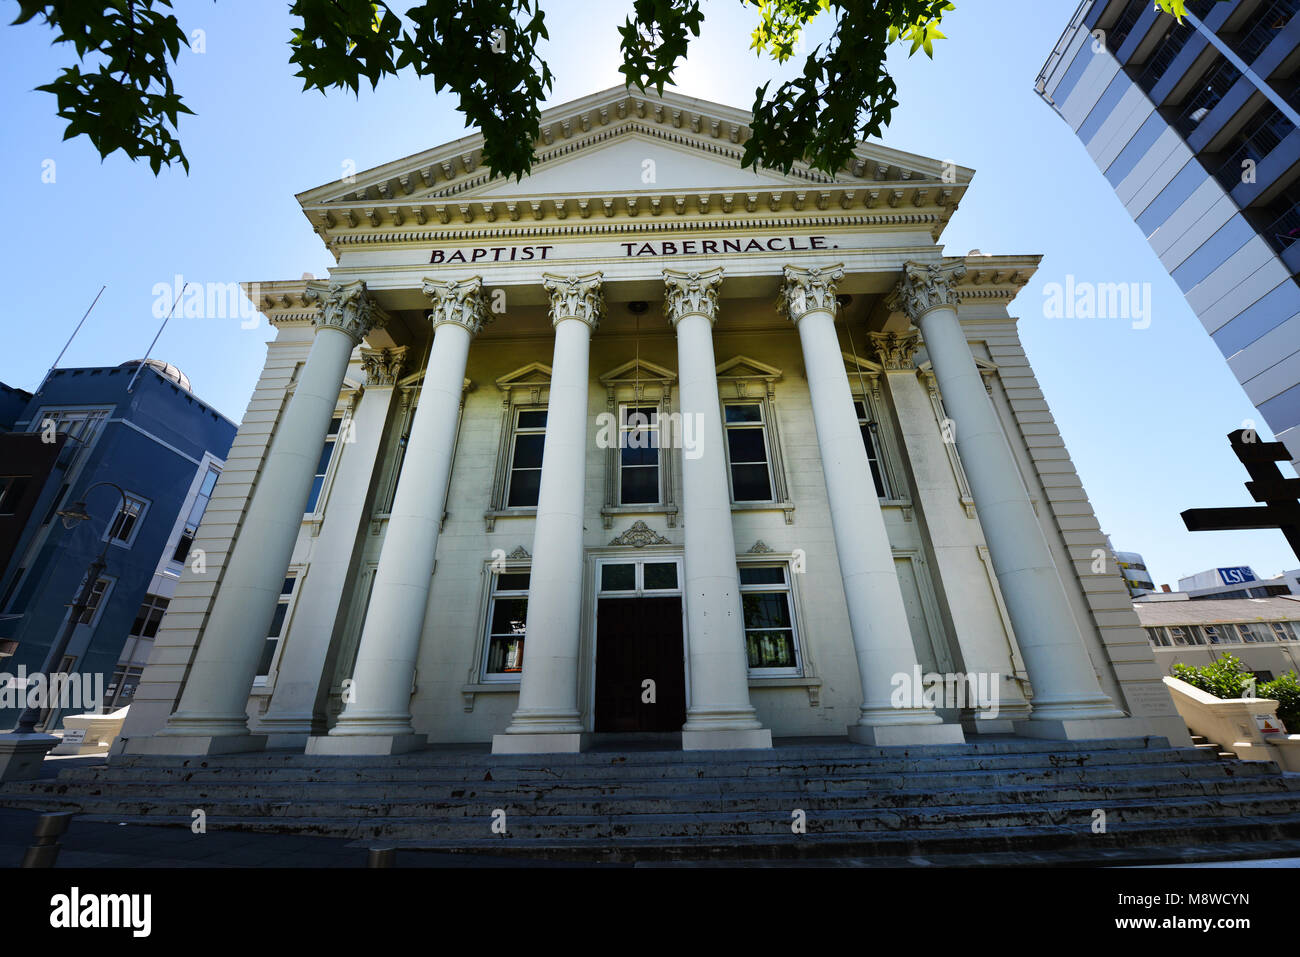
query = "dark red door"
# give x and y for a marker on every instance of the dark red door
(639, 639)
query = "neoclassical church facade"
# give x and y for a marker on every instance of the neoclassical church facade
(644, 444)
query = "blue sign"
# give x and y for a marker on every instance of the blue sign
(1236, 576)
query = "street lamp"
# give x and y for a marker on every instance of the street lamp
(72, 516)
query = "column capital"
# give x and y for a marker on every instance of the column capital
(691, 294)
(383, 367)
(894, 350)
(576, 297)
(461, 302)
(346, 307)
(808, 290)
(926, 286)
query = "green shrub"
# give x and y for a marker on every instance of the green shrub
(1286, 689)
(1223, 677)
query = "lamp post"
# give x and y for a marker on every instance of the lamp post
(72, 517)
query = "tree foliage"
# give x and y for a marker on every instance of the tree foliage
(486, 53)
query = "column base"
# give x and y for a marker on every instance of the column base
(1082, 729)
(726, 740)
(196, 744)
(990, 726)
(561, 742)
(21, 755)
(378, 744)
(896, 735)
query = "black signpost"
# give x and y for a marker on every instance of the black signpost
(1280, 495)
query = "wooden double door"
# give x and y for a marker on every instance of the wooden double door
(640, 640)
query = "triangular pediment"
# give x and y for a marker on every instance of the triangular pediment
(616, 143)
(532, 375)
(743, 367)
(638, 370)
(855, 364)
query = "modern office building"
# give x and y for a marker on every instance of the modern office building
(83, 435)
(721, 456)
(1195, 127)
(1237, 581)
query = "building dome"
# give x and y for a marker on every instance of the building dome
(165, 369)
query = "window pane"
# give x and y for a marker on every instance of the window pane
(512, 581)
(209, 482)
(325, 454)
(638, 456)
(640, 486)
(762, 575)
(277, 622)
(268, 655)
(768, 610)
(660, 574)
(744, 413)
(528, 451)
(312, 499)
(750, 483)
(746, 445)
(334, 425)
(525, 484)
(505, 655)
(183, 546)
(509, 616)
(287, 587)
(617, 577)
(535, 419)
(770, 649)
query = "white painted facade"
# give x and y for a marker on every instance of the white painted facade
(638, 266)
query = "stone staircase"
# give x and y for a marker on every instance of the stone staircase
(1023, 796)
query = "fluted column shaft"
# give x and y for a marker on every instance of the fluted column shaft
(548, 716)
(1064, 682)
(378, 718)
(720, 714)
(882, 637)
(212, 707)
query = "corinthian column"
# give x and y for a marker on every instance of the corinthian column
(377, 720)
(882, 636)
(720, 714)
(211, 717)
(1067, 696)
(548, 718)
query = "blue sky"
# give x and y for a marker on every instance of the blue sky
(1144, 412)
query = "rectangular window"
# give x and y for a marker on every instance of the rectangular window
(1184, 635)
(121, 689)
(1256, 631)
(92, 606)
(751, 478)
(507, 618)
(81, 426)
(126, 523)
(1213, 634)
(149, 616)
(323, 466)
(638, 473)
(1282, 630)
(871, 440)
(526, 458)
(770, 641)
(1157, 636)
(191, 526)
(12, 490)
(276, 630)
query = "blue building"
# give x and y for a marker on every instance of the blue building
(143, 430)
(1196, 126)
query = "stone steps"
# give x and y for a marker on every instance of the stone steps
(672, 805)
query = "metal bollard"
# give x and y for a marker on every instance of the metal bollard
(382, 856)
(49, 828)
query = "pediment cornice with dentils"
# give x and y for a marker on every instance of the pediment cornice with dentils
(589, 169)
(993, 278)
